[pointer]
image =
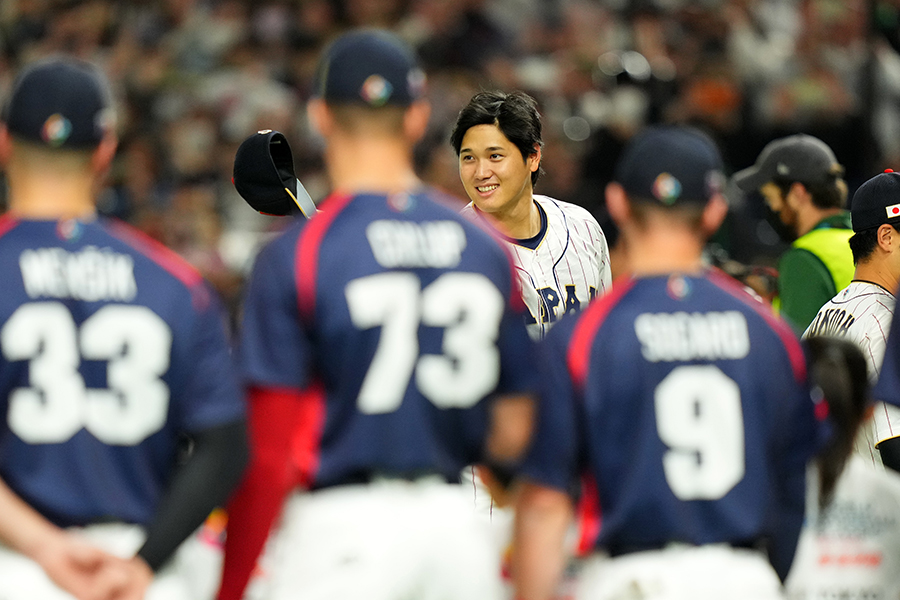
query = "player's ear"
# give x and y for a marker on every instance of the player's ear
(415, 120)
(104, 154)
(5, 145)
(617, 203)
(320, 117)
(885, 235)
(534, 159)
(714, 213)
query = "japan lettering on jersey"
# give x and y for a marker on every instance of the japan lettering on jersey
(111, 349)
(862, 312)
(674, 393)
(568, 268)
(408, 317)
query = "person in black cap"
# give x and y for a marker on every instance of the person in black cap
(113, 355)
(802, 183)
(863, 311)
(678, 398)
(384, 349)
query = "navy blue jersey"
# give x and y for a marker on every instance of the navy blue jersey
(683, 405)
(112, 349)
(408, 317)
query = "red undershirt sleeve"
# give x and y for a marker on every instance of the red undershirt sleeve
(273, 420)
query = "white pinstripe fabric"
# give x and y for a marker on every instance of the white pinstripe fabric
(862, 312)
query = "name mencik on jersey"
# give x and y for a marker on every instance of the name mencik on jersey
(684, 336)
(89, 274)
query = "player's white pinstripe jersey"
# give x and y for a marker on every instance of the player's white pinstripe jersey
(568, 268)
(862, 312)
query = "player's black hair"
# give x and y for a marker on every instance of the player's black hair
(863, 243)
(838, 372)
(832, 193)
(516, 115)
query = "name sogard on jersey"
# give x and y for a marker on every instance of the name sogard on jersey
(692, 336)
(90, 274)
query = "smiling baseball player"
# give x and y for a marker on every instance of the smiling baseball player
(560, 252)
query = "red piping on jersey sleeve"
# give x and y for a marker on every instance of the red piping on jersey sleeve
(165, 257)
(307, 256)
(7, 223)
(590, 515)
(579, 353)
(274, 418)
(788, 339)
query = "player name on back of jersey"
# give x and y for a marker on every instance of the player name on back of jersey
(832, 321)
(436, 244)
(90, 274)
(683, 336)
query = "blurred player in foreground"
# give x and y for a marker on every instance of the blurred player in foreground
(862, 312)
(559, 250)
(681, 402)
(803, 184)
(389, 331)
(848, 547)
(113, 358)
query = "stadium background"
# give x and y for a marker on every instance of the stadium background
(193, 78)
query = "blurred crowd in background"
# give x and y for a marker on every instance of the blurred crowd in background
(194, 78)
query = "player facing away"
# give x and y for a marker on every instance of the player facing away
(848, 546)
(678, 400)
(113, 357)
(559, 250)
(388, 330)
(862, 311)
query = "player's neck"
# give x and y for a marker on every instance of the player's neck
(521, 221)
(663, 251)
(49, 198)
(370, 165)
(877, 272)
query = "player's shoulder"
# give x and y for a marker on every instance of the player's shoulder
(160, 256)
(570, 210)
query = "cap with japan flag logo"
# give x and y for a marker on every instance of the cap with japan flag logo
(876, 202)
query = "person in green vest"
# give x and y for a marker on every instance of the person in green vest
(802, 182)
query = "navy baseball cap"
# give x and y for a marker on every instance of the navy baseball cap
(371, 67)
(876, 202)
(800, 157)
(60, 102)
(670, 164)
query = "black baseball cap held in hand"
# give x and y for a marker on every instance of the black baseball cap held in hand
(800, 157)
(876, 202)
(372, 67)
(60, 102)
(671, 165)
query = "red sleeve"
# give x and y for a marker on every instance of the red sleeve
(273, 419)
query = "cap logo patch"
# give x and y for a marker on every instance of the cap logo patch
(783, 169)
(376, 90)
(892, 211)
(56, 130)
(666, 188)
